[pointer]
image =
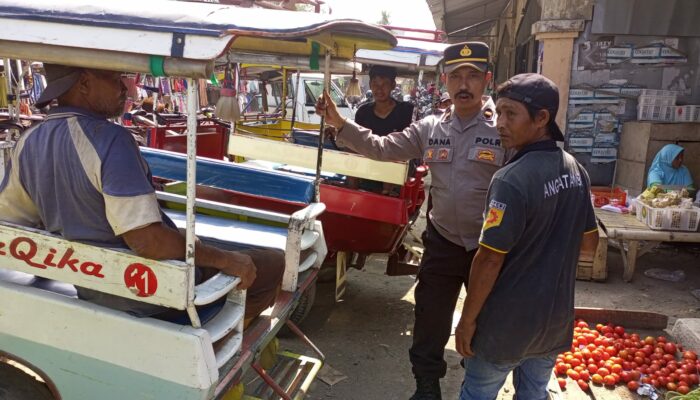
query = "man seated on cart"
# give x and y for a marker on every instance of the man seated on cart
(383, 116)
(81, 176)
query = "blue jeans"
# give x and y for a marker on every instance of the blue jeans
(483, 380)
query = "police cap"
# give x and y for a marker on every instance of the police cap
(466, 54)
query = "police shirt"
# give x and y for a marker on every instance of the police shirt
(538, 209)
(462, 161)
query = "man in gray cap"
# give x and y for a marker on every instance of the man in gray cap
(538, 222)
(93, 186)
(463, 151)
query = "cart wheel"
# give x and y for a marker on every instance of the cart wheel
(15, 384)
(302, 311)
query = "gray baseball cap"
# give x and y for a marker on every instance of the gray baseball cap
(59, 80)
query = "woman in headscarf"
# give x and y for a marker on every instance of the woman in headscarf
(668, 169)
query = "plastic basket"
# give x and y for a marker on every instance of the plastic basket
(604, 194)
(669, 219)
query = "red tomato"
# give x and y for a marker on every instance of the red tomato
(635, 375)
(683, 389)
(575, 362)
(597, 379)
(671, 386)
(611, 350)
(616, 368)
(623, 354)
(603, 372)
(626, 376)
(661, 339)
(633, 385)
(562, 383)
(582, 324)
(670, 348)
(619, 330)
(655, 383)
(649, 340)
(592, 368)
(690, 355)
(583, 385)
(573, 374)
(585, 375)
(609, 380)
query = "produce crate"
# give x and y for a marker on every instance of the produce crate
(598, 269)
(604, 194)
(669, 219)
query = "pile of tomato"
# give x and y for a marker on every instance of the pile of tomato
(608, 355)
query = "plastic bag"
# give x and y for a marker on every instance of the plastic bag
(665, 275)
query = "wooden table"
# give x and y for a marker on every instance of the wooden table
(635, 238)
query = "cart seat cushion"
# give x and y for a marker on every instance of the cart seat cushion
(231, 234)
(21, 278)
(231, 176)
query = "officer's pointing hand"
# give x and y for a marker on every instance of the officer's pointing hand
(325, 107)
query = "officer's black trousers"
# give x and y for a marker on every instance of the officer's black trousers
(444, 269)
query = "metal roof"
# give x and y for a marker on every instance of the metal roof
(466, 19)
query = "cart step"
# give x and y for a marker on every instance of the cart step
(292, 372)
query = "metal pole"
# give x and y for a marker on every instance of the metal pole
(319, 157)
(20, 75)
(285, 88)
(192, 105)
(8, 83)
(155, 102)
(294, 102)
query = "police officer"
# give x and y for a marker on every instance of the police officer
(463, 151)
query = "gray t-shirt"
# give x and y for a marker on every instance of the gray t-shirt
(538, 208)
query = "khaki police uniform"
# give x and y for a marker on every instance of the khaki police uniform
(462, 156)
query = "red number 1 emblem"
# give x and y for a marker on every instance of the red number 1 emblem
(141, 280)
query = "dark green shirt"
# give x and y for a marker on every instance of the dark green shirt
(538, 208)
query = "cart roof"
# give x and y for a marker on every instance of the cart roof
(410, 55)
(207, 30)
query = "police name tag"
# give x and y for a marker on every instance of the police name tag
(438, 154)
(488, 155)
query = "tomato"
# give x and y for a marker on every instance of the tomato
(573, 374)
(633, 385)
(609, 380)
(616, 368)
(690, 368)
(664, 371)
(611, 350)
(616, 377)
(670, 348)
(649, 340)
(623, 354)
(582, 324)
(592, 368)
(603, 372)
(597, 379)
(583, 385)
(575, 362)
(690, 355)
(619, 330)
(693, 379)
(661, 339)
(683, 389)
(562, 383)
(635, 375)
(585, 375)
(671, 386)
(683, 378)
(626, 376)
(669, 357)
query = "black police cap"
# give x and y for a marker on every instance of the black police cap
(466, 54)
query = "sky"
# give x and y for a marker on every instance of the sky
(403, 13)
